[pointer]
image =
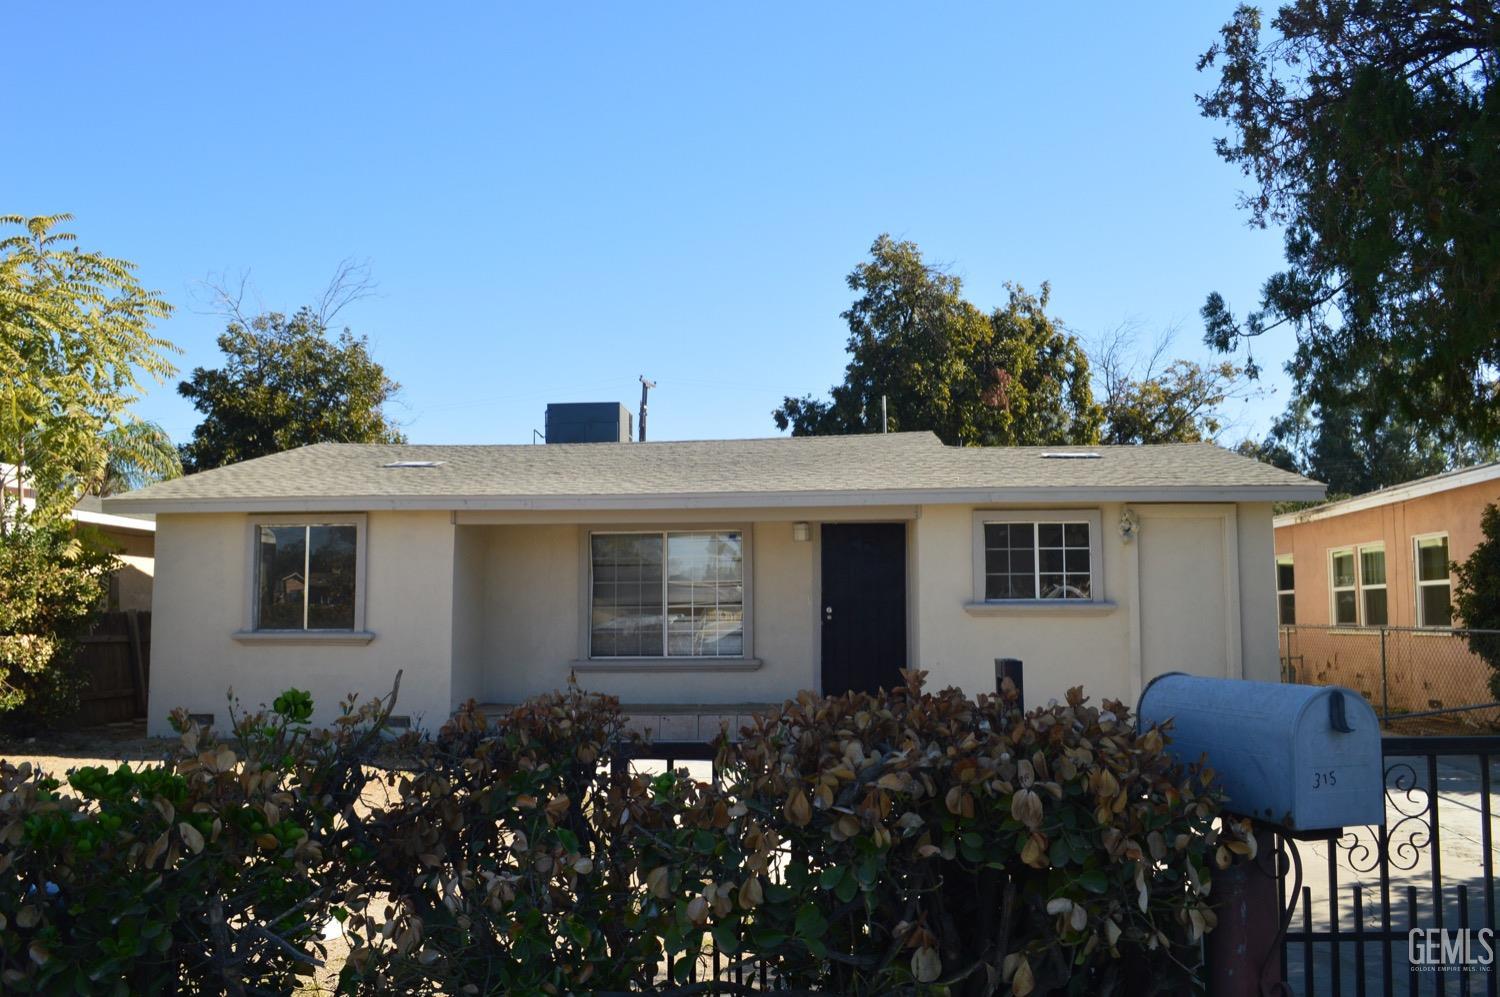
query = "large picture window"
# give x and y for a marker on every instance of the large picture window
(667, 594)
(306, 576)
(1037, 557)
(1434, 589)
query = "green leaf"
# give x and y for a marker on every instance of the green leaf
(810, 923)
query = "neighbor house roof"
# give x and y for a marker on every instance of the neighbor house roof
(90, 509)
(880, 469)
(1404, 492)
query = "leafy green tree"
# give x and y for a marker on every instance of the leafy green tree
(1476, 596)
(1160, 400)
(1334, 447)
(286, 384)
(1369, 131)
(52, 586)
(75, 346)
(1014, 376)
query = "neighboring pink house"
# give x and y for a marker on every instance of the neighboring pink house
(1381, 559)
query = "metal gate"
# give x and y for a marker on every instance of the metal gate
(1407, 907)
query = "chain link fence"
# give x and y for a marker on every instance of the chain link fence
(1420, 681)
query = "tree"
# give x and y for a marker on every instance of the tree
(1368, 130)
(52, 585)
(1013, 376)
(286, 384)
(1161, 401)
(1334, 447)
(1476, 596)
(75, 345)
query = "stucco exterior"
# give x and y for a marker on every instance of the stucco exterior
(1308, 540)
(491, 606)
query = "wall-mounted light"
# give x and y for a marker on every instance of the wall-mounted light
(1130, 524)
(801, 532)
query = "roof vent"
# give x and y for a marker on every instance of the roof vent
(1070, 455)
(414, 463)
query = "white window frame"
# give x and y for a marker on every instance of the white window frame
(1091, 517)
(1417, 583)
(1359, 588)
(746, 657)
(1383, 587)
(359, 633)
(1280, 560)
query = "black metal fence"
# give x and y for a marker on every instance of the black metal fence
(1419, 680)
(1372, 911)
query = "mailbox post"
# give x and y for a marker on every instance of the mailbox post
(1298, 760)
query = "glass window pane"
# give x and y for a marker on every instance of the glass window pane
(1343, 569)
(705, 594)
(1049, 534)
(1077, 586)
(1286, 605)
(330, 583)
(1433, 601)
(1432, 559)
(1375, 614)
(1076, 534)
(1077, 560)
(1345, 611)
(1053, 587)
(1052, 560)
(283, 563)
(1023, 586)
(1372, 566)
(1286, 577)
(1022, 560)
(626, 616)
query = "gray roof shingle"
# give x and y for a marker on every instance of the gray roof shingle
(897, 468)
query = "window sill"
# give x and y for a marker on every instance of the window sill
(1351, 630)
(1042, 607)
(303, 636)
(667, 665)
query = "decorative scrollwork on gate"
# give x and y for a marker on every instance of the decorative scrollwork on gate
(1406, 838)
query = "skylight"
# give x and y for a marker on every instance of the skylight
(414, 463)
(1070, 455)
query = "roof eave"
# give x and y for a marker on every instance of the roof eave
(727, 500)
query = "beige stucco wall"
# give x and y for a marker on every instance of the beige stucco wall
(532, 608)
(131, 583)
(494, 611)
(202, 580)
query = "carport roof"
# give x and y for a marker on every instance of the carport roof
(879, 469)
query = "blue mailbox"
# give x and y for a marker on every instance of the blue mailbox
(1301, 757)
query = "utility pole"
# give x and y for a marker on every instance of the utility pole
(882, 414)
(645, 387)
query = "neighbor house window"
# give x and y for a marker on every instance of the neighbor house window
(1345, 590)
(1434, 606)
(667, 594)
(1356, 576)
(1372, 585)
(1037, 556)
(307, 576)
(1286, 591)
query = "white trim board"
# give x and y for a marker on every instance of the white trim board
(1420, 488)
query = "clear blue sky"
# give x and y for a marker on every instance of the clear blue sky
(556, 198)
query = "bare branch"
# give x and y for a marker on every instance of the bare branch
(351, 282)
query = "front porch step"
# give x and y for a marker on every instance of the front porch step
(675, 722)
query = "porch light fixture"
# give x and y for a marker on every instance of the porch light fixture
(801, 532)
(1130, 524)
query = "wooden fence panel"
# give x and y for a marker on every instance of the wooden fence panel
(116, 664)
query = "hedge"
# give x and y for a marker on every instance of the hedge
(902, 843)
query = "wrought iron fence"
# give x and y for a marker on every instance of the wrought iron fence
(1353, 902)
(1417, 679)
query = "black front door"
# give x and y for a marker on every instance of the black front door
(864, 606)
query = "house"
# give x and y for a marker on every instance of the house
(698, 580)
(1381, 559)
(130, 537)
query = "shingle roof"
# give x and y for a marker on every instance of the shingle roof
(829, 470)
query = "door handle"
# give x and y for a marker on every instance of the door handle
(827, 612)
